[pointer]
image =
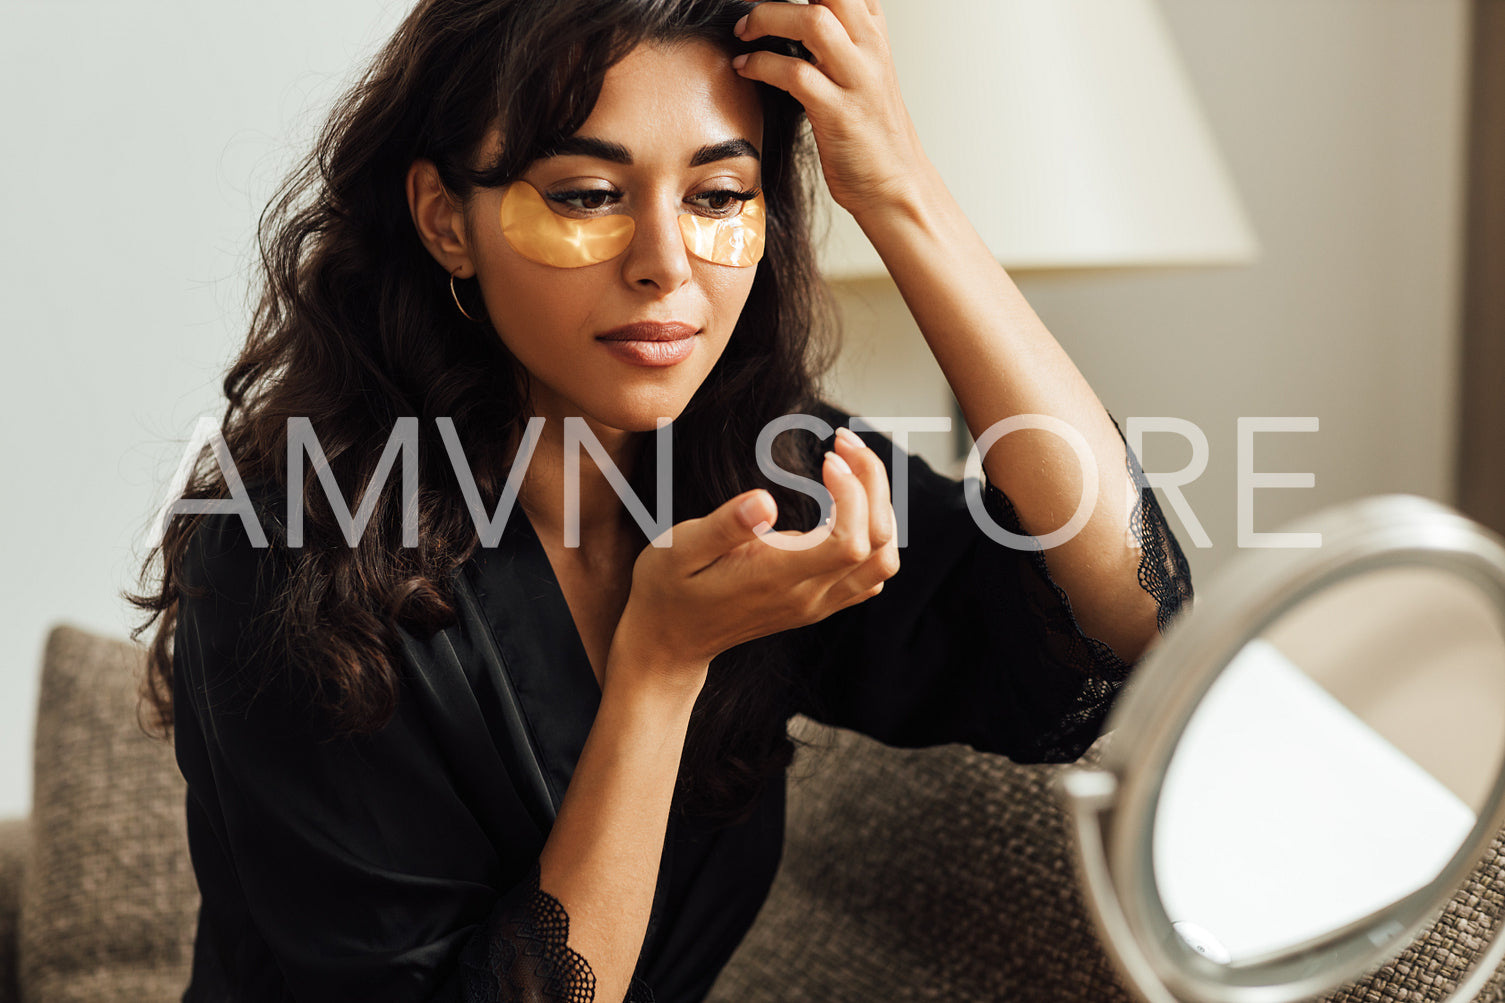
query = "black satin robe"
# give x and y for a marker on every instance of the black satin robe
(390, 867)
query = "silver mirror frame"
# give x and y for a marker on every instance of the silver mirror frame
(1113, 805)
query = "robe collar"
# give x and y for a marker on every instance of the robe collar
(541, 660)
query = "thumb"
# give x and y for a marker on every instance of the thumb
(752, 509)
(704, 541)
(730, 525)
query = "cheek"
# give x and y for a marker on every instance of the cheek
(532, 300)
(727, 290)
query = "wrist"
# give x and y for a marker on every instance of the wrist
(910, 199)
(649, 671)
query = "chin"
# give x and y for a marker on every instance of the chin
(647, 420)
(640, 413)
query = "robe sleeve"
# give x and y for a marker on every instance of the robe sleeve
(972, 641)
(362, 872)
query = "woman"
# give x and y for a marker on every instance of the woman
(432, 757)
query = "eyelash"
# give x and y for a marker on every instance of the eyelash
(564, 198)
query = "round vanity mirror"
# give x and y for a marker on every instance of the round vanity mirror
(1308, 765)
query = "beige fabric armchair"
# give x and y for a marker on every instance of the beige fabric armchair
(938, 874)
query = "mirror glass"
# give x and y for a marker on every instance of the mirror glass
(1335, 766)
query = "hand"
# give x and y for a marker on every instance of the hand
(719, 585)
(869, 151)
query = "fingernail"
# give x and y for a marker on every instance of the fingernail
(751, 511)
(739, 61)
(838, 462)
(741, 23)
(851, 437)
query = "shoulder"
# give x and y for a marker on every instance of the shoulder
(231, 584)
(231, 554)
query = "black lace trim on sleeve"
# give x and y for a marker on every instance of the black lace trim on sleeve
(1163, 570)
(1099, 672)
(527, 958)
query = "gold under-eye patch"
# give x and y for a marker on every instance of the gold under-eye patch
(732, 240)
(540, 234)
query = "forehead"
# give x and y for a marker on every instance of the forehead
(667, 99)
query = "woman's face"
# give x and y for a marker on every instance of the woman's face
(673, 126)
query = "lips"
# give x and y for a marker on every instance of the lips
(647, 330)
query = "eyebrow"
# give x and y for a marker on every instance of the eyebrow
(616, 153)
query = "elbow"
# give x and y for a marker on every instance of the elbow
(1139, 628)
(1130, 626)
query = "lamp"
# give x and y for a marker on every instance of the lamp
(1068, 132)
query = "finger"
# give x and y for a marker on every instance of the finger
(866, 580)
(805, 82)
(859, 597)
(704, 541)
(819, 27)
(874, 476)
(848, 544)
(792, 540)
(838, 543)
(855, 15)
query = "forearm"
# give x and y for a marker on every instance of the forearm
(602, 856)
(1001, 361)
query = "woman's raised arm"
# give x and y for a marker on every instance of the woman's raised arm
(996, 354)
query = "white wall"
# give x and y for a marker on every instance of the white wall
(142, 140)
(1342, 124)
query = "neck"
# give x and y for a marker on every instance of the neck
(603, 516)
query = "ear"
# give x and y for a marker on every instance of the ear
(439, 219)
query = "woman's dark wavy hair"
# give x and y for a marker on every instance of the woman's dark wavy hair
(355, 327)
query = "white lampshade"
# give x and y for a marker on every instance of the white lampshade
(1067, 130)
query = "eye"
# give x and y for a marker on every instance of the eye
(715, 203)
(722, 201)
(586, 199)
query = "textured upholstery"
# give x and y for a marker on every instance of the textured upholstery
(1440, 958)
(926, 874)
(936, 874)
(947, 874)
(14, 843)
(108, 899)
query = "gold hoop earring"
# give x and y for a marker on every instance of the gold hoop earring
(456, 296)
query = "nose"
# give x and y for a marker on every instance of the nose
(657, 258)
